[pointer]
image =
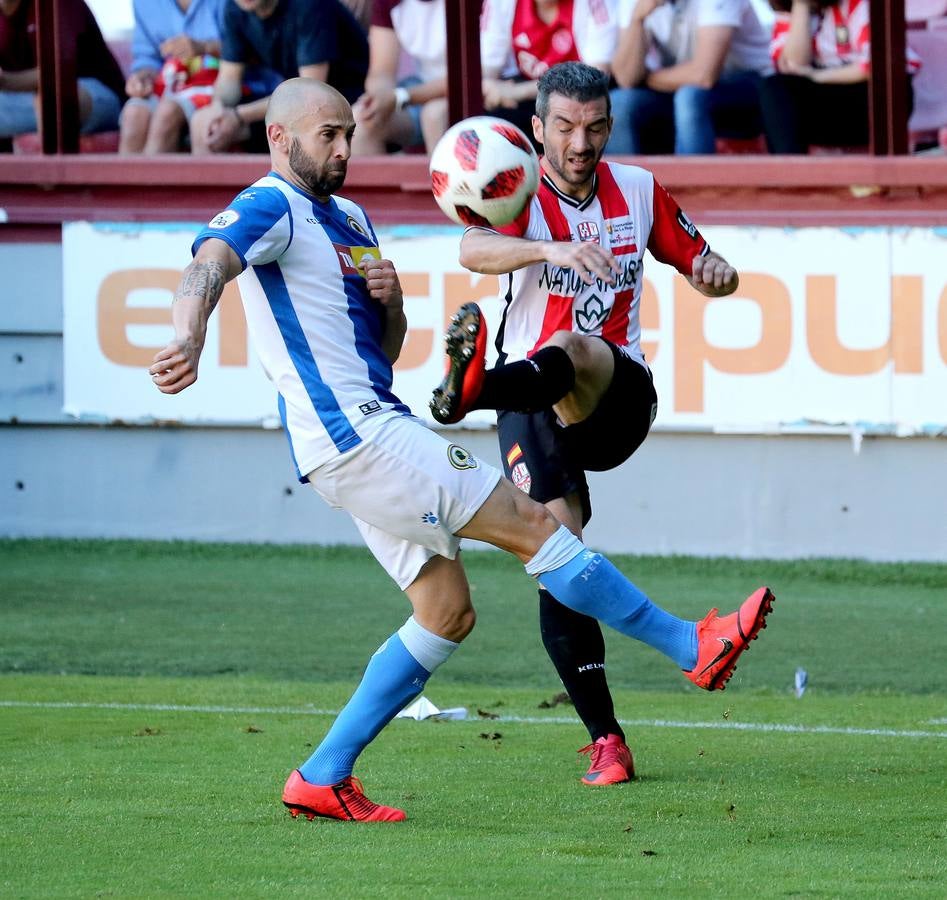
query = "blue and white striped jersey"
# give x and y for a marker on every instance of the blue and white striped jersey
(314, 326)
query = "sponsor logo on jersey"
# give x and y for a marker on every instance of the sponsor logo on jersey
(563, 282)
(591, 316)
(368, 408)
(520, 476)
(247, 195)
(686, 223)
(430, 518)
(621, 232)
(461, 458)
(588, 231)
(224, 219)
(356, 226)
(349, 257)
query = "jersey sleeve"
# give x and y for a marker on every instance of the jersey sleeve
(257, 225)
(519, 227)
(674, 239)
(496, 33)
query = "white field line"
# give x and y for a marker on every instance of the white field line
(765, 727)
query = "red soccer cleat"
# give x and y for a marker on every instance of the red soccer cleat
(611, 761)
(721, 640)
(466, 354)
(345, 800)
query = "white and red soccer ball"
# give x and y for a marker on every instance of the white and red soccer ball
(484, 171)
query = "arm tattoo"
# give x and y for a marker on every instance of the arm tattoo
(203, 279)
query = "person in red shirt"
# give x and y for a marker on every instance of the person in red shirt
(101, 85)
(572, 387)
(535, 35)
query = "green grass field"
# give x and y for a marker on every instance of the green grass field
(153, 698)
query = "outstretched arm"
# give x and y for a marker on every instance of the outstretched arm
(202, 282)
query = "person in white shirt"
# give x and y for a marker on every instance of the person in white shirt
(410, 111)
(687, 71)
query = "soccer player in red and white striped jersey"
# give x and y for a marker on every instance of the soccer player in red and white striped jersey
(572, 388)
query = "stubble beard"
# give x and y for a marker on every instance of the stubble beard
(320, 181)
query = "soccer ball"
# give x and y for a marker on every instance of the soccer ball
(483, 171)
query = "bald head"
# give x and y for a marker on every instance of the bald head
(309, 127)
(296, 98)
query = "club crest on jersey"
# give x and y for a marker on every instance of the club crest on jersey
(588, 231)
(356, 226)
(686, 224)
(461, 458)
(520, 476)
(224, 219)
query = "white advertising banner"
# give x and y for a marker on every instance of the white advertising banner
(830, 327)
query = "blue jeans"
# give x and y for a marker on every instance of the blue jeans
(685, 121)
(18, 110)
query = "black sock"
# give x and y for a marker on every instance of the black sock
(577, 649)
(529, 384)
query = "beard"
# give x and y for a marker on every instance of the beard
(320, 181)
(560, 165)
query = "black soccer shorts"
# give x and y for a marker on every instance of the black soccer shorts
(547, 460)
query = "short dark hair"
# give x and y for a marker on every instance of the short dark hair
(574, 80)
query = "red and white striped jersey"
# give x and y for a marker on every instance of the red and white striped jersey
(626, 212)
(840, 35)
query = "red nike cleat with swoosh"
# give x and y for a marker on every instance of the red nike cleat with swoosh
(721, 639)
(345, 800)
(611, 761)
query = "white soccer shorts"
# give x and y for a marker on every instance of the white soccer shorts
(409, 491)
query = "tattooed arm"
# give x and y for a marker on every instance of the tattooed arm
(202, 282)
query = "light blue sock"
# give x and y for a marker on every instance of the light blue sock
(393, 678)
(588, 583)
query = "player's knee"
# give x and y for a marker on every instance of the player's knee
(591, 358)
(455, 623)
(577, 346)
(536, 522)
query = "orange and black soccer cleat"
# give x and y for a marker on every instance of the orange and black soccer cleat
(721, 640)
(345, 800)
(611, 761)
(466, 354)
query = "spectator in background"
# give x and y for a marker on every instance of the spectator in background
(362, 10)
(688, 71)
(521, 39)
(101, 85)
(819, 94)
(308, 38)
(414, 110)
(175, 58)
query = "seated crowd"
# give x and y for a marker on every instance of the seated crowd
(687, 74)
